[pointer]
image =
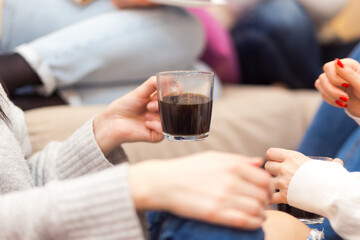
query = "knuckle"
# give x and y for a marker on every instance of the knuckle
(267, 166)
(221, 199)
(326, 67)
(294, 157)
(241, 221)
(269, 151)
(317, 83)
(322, 77)
(257, 208)
(231, 187)
(265, 179)
(233, 167)
(211, 213)
(282, 171)
(282, 183)
(263, 197)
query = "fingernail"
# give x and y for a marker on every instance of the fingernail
(152, 104)
(339, 63)
(345, 85)
(344, 99)
(345, 105)
(341, 104)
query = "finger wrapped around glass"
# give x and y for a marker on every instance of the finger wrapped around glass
(304, 216)
(185, 104)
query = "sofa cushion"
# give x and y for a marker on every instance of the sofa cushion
(246, 120)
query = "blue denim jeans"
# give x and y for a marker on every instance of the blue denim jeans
(275, 42)
(165, 226)
(334, 134)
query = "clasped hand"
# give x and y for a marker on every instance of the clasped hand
(282, 164)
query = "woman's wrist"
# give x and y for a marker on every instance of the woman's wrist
(146, 187)
(103, 134)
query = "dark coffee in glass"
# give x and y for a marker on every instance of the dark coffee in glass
(185, 114)
(185, 104)
(303, 216)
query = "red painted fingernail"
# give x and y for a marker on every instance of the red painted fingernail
(341, 104)
(345, 85)
(345, 105)
(344, 99)
(339, 63)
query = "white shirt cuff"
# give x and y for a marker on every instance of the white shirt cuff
(315, 185)
(40, 67)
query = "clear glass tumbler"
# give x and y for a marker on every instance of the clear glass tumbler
(185, 104)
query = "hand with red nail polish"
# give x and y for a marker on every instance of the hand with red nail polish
(340, 104)
(344, 99)
(339, 85)
(339, 63)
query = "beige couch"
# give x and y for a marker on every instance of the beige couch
(245, 120)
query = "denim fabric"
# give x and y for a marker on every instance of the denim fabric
(276, 43)
(333, 133)
(165, 226)
(328, 132)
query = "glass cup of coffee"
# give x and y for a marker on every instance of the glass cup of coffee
(185, 104)
(304, 216)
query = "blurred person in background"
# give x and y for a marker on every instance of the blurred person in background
(91, 51)
(284, 41)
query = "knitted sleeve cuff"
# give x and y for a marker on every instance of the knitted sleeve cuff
(80, 154)
(315, 186)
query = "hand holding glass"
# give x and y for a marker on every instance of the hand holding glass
(304, 216)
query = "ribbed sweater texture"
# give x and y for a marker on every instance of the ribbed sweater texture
(69, 190)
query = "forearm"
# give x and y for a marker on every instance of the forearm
(331, 192)
(88, 207)
(76, 156)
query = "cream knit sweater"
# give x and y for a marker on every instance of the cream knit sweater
(64, 191)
